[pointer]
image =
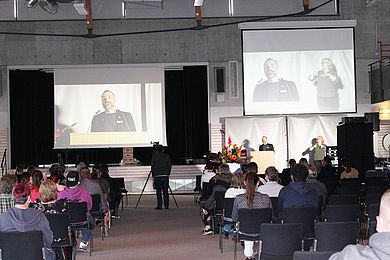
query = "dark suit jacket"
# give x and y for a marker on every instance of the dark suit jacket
(266, 147)
(281, 91)
(124, 123)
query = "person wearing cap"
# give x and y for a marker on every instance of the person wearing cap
(21, 218)
(73, 191)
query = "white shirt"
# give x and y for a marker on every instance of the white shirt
(233, 192)
(271, 188)
(206, 176)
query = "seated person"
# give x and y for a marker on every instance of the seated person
(315, 184)
(348, 172)
(21, 218)
(250, 199)
(377, 247)
(298, 194)
(48, 202)
(285, 176)
(36, 180)
(236, 186)
(7, 183)
(272, 186)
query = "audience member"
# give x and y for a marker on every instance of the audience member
(19, 170)
(285, 176)
(253, 167)
(236, 186)
(378, 244)
(56, 175)
(208, 173)
(315, 184)
(21, 218)
(303, 161)
(105, 186)
(348, 172)
(243, 161)
(272, 186)
(115, 195)
(250, 199)
(298, 194)
(74, 192)
(35, 180)
(24, 178)
(7, 183)
(31, 169)
(328, 175)
(48, 202)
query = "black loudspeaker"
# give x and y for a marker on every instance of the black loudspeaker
(374, 119)
(355, 142)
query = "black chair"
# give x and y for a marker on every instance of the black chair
(31, 242)
(62, 235)
(371, 227)
(226, 216)
(344, 200)
(280, 240)
(376, 189)
(97, 213)
(305, 255)
(117, 186)
(372, 198)
(334, 236)
(305, 216)
(79, 220)
(372, 211)
(249, 223)
(218, 210)
(348, 190)
(274, 201)
(198, 188)
(205, 190)
(342, 213)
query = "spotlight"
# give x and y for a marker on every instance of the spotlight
(49, 6)
(31, 3)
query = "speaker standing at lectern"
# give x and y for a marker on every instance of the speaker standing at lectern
(265, 146)
(112, 119)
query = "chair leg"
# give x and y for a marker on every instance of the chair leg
(259, 250)
(235, 246)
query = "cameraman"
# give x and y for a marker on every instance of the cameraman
(161, 168)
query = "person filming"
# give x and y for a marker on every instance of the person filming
(161, 169)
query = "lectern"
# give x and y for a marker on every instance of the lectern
(263, 159)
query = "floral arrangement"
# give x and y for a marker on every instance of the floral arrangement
(231, 153)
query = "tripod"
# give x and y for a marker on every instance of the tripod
(143, 189)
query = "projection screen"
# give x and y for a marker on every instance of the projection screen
(99, 107)
(298, 67)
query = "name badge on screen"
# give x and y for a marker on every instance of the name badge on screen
(119, 122)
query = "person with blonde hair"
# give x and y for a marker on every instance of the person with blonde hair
(250, 199)
(378, 244)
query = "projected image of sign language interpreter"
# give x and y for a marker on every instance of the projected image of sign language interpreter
(112, 119)
(274, 89)
(328, 83)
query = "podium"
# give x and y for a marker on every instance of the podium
(263, 159)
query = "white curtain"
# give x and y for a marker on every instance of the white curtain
(253, 128)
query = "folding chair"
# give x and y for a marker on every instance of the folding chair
(198, 188)
(305, 216)
(376, 189)
(334, 236)
(280, 240)
(318, 255)
(372, 198)
(217, 210)
(274, 201)
(79, 221)
(372, 211)
(60, 226)
(342, 213)
(226, 216)
(31, 242)
(248, 226)
(97, 213)
(117, 185)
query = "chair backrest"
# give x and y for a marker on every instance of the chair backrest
(31, 242)
(96, 203)
(372, 227)
(78, 212)
(198, 181)
(117, 184)
(219, 197)
(373, 211)
(228, 207)
(342, 213)
(373, 198)
(343, 200)
(281, 239)
(376, 189)
(348, 190)
(205, 189)
(251, 219)
(274, 201)
(59, 224)
(334, 236)
(305, 216)
(306, 255)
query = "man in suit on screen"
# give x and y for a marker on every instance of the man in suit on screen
(112, 119)
(274, 89)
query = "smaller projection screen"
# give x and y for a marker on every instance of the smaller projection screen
(299, 70)
(109, 107)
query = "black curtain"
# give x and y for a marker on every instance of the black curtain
(32, 124)
(187, 113)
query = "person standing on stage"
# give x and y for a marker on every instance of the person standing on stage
(112, 119)
(266, 146)
(161, 169)
(319, 149)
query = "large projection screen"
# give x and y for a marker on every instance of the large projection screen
(299, 68)
(98, 107)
